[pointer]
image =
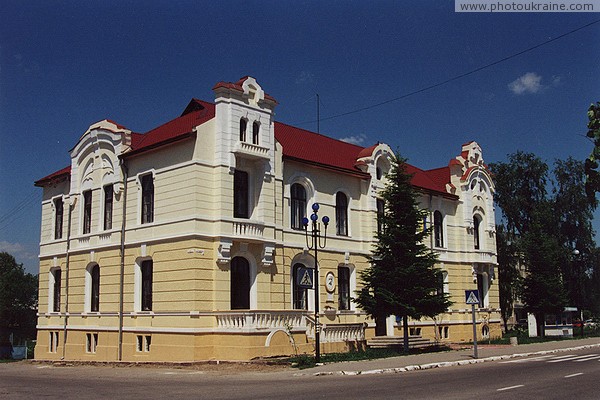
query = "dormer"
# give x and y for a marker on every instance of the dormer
(471, 175)
(95, 157)
(244, 118)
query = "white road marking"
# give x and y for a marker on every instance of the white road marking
(572, 375)
(591, 357)
(509, 388)
(572, 358)
(525, 360)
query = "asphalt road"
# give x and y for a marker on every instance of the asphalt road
(555, 376)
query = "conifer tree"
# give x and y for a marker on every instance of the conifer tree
(402, 279)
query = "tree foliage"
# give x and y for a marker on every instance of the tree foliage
(18, 301)
(509, 276)
(402, 279)
(592, 182)
(544, 229)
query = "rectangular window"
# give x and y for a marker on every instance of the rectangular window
(240, 195)
(380, 215)
(58, 218)
(147, 270)
(56, 275)
(87, 211)
(143, 343)
(344, 288)
(108, 207)
(53, 342)
(91, 342)
(147, 199)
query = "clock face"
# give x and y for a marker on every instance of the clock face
(330, 282)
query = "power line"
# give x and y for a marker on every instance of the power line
(454, 78)
(8, 218)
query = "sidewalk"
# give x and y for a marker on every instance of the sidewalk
(448, 358)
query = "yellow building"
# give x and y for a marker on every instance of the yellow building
(181, 244)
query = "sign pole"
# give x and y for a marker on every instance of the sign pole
(474, 332)
(472, 298)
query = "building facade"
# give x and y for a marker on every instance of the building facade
(182, 244)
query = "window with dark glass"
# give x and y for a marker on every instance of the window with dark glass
(147, 271)
(95, 288)
(482, 287)
(380, 215)
(378, 173)
(87, 211)
(300, 295)
(240, 284)
(240, 194)
(341, 214)
(56, 273)
(476, 226)
(147, 199)
(255, 130)
(344, 288)
(438, 229)
(108, 207)
(58, 218)
(243, 127)
(298, 205)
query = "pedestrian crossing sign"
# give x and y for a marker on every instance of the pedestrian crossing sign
(304, 278)
(472, 296)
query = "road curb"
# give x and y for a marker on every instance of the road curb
(445, 364)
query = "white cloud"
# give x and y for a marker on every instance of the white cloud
(11, 248)
(528, 83)
(355, 139)
(23, 253)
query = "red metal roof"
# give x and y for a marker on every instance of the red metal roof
(66, 171)
(196, 113)
(298, 144)
(312, 147)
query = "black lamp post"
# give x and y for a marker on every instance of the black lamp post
(315, 245)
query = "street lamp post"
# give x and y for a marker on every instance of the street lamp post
(315, 245)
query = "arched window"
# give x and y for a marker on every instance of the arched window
(378, 173)
(240, 284)
(298, 205)
(476, 227)
(243, 126)
(438, 229)
(341, 214)
(94, 272)
(54, 289)
(255, 130)
(300, 295)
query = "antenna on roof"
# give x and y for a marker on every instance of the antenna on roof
(318, 114)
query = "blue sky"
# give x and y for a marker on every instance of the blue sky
(67, 64)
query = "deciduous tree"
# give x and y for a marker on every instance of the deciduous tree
(18, 302)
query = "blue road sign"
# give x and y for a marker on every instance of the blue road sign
(304, 278)
(472, 296)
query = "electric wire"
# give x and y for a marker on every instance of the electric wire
(454, 78)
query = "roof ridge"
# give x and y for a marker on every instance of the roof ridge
(322, 135)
